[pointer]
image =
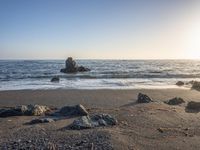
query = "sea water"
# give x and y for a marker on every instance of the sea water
(104, 74)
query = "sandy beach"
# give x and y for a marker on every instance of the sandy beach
(153, 125)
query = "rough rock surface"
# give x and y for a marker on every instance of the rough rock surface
(32, 110)
(77, 110)
(55, 79)
(72, 67)
(175, 101)
(86, 122)
(180, 83)
(142, 98)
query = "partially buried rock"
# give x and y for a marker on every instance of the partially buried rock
(29, 110)
(72, 67)
(180, 83)
(77, 110)
(195, 106)
(175, 101)
(41, 120)
(55, 79)
(142, 98)
(87, 122)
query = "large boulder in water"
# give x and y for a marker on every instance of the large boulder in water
(142, 98)
(87, 122)
(72, 67)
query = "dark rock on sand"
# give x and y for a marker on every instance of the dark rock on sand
(41, 120)
(196, 85)
(180, 83)
(32, 110)
(142, 98)
(55, 79)
(72, 67)
(9, 112)
(175, 101)
(193, 106)
(87, 122)
(77, 110)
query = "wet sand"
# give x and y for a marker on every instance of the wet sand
(141, 126)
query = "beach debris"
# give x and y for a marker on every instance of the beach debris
(180, 83)
(195, 106)
(41, 120)
(27, 110)
(175, 101)
(72, 67)
(77, 110)
(142, 98)
(196, 85)
(87, 122)
(55, 79)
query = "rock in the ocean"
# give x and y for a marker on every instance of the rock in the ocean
(86, 122)
(195, 106)
(41, 120)
(196, 85)
(180, 83)
(142, 98)
(32, 110)
(71, 67)
(175, 101)
(55, 79)
(77, 110)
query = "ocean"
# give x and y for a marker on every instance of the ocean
(104, 74)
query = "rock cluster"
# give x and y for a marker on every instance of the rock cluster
(87, 122)
(72, 67)
(27, 110)
(175, 101)
(142, 98)
(41, 120)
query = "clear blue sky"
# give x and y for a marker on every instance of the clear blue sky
(120, 29)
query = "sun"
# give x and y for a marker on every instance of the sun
(193, 42)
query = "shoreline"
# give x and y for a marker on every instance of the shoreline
(107, 98)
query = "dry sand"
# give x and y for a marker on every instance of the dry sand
(141, 126)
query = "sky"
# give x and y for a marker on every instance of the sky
(100, 29)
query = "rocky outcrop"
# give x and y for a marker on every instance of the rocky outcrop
(175, 101)
(77, 110)
(72, 67)
(87, 122)
(142, 98)
(180, 83)
(27, 110)
(55, 79)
